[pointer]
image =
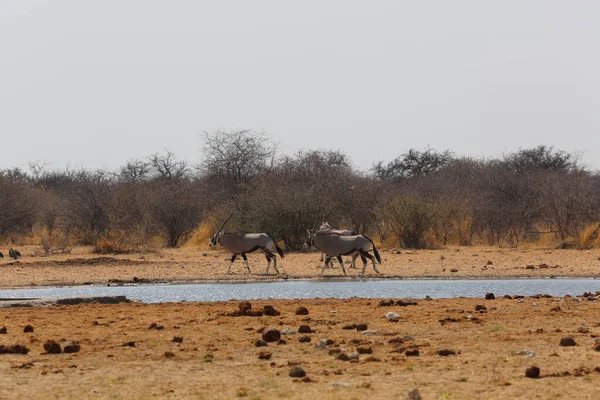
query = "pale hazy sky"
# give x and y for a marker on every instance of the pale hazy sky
(95, 83)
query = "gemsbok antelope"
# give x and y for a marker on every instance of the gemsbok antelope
(240, 243)
(337, 246)
(344, 232)
(14, 253)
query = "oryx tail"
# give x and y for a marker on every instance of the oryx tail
(377, 256)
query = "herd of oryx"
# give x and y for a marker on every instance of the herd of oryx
(332, 242)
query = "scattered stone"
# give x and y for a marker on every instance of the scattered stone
(372, 359)
(205, 254)
(28, 329)
(412, 353)
(392, 317)
(353, 356)
(396, 340)
(454, 270)
(414, 395)
(244, 307)
(526, 353)
(72, 348)
(14, 349)
(508, 296)
(370, 332)
(567, 341)
(304, 339)
(448, 320)
(271, 335)
(177, 339)
(169, 354)
(403, 303)
(532, 372)
(288, 331)
(596, 347)
(349, 326)
(409, 338)
(305, 329)
(260, 343)
(129, 344)
(364, 350)
(302, 311)
(321, 344)
(281, 341)
(297, 372)
(428, 297)
(556, 309)
(3, 330)
(341, 384)
(489, 262)
(446, 352)
(264, 355)
(442, 257)
(154, 325)
(52, 347)
(270, 311)
(361, 327)
(490, 296)
(583, 329)
(530, 267)
(342, 357)
(480, 307)
(386, 303)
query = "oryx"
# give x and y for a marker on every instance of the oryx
(14, 253)
(343, 232)
(242, 243)
(337, 245)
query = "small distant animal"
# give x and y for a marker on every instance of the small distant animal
(14, 253)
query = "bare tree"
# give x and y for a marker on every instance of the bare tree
(413, 164)
(234, 157)
(168, 166)
(137, 170)
(541, 158)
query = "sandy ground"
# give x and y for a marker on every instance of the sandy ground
(188, 264)
(217, 357)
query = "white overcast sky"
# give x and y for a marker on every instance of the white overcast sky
(96, 83)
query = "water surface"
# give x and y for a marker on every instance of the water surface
(321, 289)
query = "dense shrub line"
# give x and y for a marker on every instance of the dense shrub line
(421, 199)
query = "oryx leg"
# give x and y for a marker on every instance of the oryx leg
(246, 261)
(233, 257)
(370, 257)
(341, 260)
(325, 264)
(354, 257)
(269, 254)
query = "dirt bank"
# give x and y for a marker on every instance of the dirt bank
(187, 264)
(490, 344)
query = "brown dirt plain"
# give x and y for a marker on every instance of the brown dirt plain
(192, 264)
(218, 359)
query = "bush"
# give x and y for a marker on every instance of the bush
(409, 219)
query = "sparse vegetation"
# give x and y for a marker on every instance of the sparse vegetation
(422, 199)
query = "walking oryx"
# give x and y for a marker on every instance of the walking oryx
(343, 232)
(337, 245)
(14, 253)
(242, 243)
